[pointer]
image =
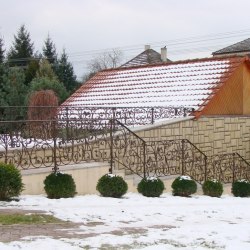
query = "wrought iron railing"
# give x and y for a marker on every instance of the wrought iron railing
(128, 150)
(175, 157)
(130, 116)
(79, 135)
(228, 167)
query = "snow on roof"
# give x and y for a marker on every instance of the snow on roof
(188, 83)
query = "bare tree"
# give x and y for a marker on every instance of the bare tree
(106, 60)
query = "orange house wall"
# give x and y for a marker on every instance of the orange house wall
(246, 90)
(229, 99)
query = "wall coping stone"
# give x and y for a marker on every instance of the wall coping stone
(65, 168)
(161, 124)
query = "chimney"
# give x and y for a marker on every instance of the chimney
(147, 47)
(164, 54)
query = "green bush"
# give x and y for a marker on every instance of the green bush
(151, 187)
(10, 181)
(184, 186)
(59, 185)
(110, 185)
(212, 188)
(241, 188)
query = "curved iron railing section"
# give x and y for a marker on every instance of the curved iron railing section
(175, 157)
(228, 167)
(128, 150)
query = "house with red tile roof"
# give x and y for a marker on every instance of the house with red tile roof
(210, 86)
(216, 89)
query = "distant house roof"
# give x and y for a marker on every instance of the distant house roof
(243, 46)
(147, 57)
(185, 83)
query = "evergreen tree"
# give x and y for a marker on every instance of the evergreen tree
(44, 83)
(31, 71)
(22, 48)
(2, 51)
(14, 90)
(49, 51)
(3, 67)
(45, 70)
(47, 80)
(3, 70)
(65, 73)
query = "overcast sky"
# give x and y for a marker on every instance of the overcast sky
(85, 26)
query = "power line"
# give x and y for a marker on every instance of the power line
(175, 46)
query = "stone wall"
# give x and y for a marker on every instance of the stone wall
(211, 134)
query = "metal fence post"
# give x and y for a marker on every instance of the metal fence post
(205, 174)
(182, 156)
(233, 167)
(144, 160)
(67, 123)
(54, 135)
(111, 146)
(112, 128)
(152, 115)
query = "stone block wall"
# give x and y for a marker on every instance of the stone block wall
(212, 134)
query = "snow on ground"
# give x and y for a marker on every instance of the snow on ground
(137, 222)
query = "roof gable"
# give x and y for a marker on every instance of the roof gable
(243, 46)
(190, 84)
(147, 57)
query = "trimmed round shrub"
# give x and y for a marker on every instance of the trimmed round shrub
(59, 185)
(212, 188)
(110, 185)
(183, 186)
(241, 188)
(151, 187)
(10, 181)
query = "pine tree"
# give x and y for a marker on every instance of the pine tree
(31, 71)
(65, 73)
(46, 79)
(45, 70)
(22, 49)
(2, 66)
(2, 51)
(49, 51)
(14, 90)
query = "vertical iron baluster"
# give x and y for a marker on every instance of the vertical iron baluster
(152, 115)
(111, 146)
(112, 128)
(182, 157)
(233, 167)
(205, 174)
(67, 123)
(144, 159)
(55, 169)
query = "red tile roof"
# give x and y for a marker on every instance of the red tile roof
(189, 84)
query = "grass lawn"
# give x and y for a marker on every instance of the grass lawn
(10, 219)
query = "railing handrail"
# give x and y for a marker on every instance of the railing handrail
(130, 131)
(195, 147)
(243, 159)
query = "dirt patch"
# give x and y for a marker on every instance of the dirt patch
(129, 230)
(62, 229)
(93, 224)
(20, 211)
(163, 227)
